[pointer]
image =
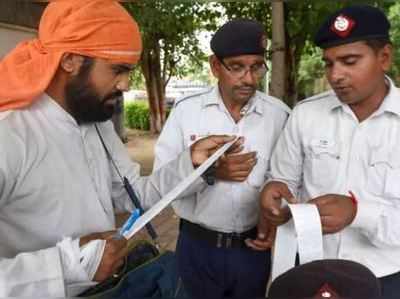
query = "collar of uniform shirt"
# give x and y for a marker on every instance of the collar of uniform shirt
(391, 102)
(216, 99)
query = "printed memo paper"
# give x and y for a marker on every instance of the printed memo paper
(302, 235)
(174, 193)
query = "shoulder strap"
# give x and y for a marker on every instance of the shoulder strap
(131, 193)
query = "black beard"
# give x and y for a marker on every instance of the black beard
(85, 104)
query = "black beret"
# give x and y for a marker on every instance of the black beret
(351, 24)
(239, 37)
(326, 279)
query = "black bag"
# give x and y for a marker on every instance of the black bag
(147, 273)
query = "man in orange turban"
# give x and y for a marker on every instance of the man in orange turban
(58, 188)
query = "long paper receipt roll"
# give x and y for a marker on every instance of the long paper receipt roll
(174, 193)
(302, 234)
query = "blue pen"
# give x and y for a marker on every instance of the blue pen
(128, 224)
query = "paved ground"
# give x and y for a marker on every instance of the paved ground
(141, 148)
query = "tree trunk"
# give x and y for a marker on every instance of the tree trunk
(293, 57)
(151, 68)
(291, 76)
(278, 71)
(160, 87)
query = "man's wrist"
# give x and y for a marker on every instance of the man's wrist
(354, 202)
(209, 175)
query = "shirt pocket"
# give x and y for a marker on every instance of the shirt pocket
(322, 164)
(383, 176)
(258, 175)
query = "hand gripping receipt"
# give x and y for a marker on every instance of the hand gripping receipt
(174, 193)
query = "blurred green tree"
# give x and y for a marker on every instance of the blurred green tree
(170, 39)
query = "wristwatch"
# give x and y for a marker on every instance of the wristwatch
(209, 175)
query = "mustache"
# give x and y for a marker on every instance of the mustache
(246, 86)
(113, 95)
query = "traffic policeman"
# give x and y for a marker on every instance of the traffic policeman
(213, 259)
(339, 149)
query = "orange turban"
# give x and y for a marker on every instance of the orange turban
(96, 28)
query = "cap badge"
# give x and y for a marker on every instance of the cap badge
(326, 292)
(342, 25)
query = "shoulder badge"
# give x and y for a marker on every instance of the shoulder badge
(319, 96)
(178, 101)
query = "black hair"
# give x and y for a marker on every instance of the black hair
(377, 44)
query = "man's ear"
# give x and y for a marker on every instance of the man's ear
(215, 65)
(386, 57)
(71, 63)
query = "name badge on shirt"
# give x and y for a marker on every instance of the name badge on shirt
(322, 142)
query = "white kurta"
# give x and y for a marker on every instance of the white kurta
(56, 181)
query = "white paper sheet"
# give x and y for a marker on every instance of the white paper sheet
(302, 234)
(309, 232)
(174, 193)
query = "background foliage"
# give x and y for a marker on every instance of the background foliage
(137, 116)
(171, 31)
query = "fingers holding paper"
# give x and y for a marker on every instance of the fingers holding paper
(272, 214)
(336, 212)
(271, 203)
(202, 149)
(235, 167)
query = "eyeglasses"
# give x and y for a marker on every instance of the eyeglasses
(239, 71)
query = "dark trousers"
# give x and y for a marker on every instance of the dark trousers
(390, 286)
(211, 272)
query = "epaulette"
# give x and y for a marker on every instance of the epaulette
(178, 101)
(273, 101)
(319, 96)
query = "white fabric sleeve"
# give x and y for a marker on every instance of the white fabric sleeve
(39, 273)
(379, 222)
(169, 147)
(150, 189)
(80, 263)
(170, 143)
(63, 270)
(287, 157)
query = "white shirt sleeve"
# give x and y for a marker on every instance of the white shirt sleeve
(150, 189)
(64, 270)
(168, 152)
(39, 273)
(170, 142)
(287, 157)
(379, 222)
